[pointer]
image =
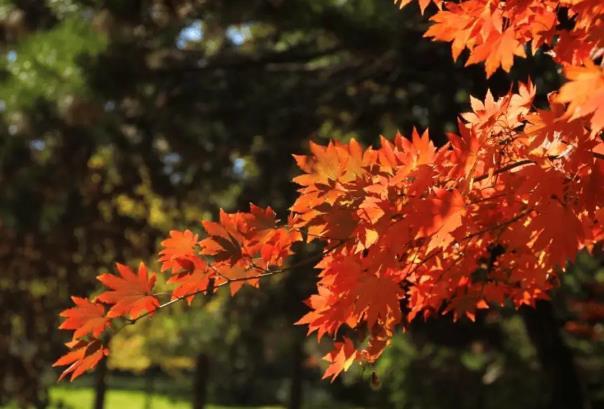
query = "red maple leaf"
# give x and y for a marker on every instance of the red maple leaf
(131, 294)
(497, 51)
(237, 276)
(180, 246)
(84, 356)
(584, 93)
(340, 358)
(443, 215)
(378, 299)
(224, 242)
(85, 318)
(191, 281)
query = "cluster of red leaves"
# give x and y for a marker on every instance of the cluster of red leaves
(410, 229)
(416, 230)
(241, 246)
(129, 295)
(495, 31)
(239, 249)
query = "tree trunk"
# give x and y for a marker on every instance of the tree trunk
(200, 382)
(42, 400)
(295, 387)
(555, 357)
(149, 387)
(100, 385)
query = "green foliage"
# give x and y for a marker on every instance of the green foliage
(50, 65)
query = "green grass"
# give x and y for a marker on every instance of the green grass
(82, 398)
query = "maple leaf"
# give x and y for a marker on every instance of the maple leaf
(464, 155)
(191, 281)
(402, 3)
(546, 126)
(224, 242)
(498, 116)
(340, 358)
(261, 220)
(442, 216)
(558, 230)
(572, 48)
(179, 246)
(334, 304)
(456, 24)
(378, 341)
(339, 223)
(423, 4)
(263, 237)
(239, 237)
(131, 294)
(277, 246)
(378, 299)
(466, 304)
(494, 32)
(237, 276)
(336, 161)
(497, 51)
(415, 152)
(329, 312)
(326, 173)
(84, 356)
(85, 318)
(584, 93)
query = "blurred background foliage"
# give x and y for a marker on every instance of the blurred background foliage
(122, 119)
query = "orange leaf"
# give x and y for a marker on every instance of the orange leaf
(83, 357)
(192, 281)
(378, 299)
(423, 4)
(240, 276)
(497, 51)
(132, 294)
(584, 93)
(85, 318)
(340, 358)
(224, 242)
(444, 216)
(180, 245)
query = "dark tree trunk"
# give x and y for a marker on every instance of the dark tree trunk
(200, 383)
(41, 401)
(555, 357)
(295, 387)
(100, 385)
(149, 387)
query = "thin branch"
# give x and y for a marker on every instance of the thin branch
(194, 293)
(500, 225)
(504, 169)
(522, 163)
(227, 281)
(310, 260)
(478, 233)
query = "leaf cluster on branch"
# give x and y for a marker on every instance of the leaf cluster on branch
(410, 229)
